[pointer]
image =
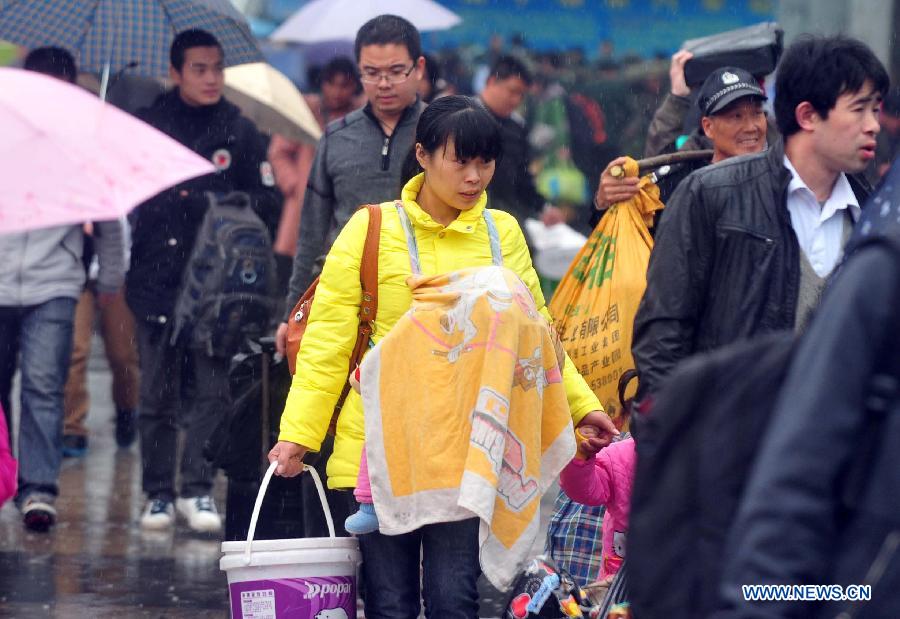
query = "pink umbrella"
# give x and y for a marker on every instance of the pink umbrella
(66, 157)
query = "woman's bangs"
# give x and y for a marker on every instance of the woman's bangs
(475, 134)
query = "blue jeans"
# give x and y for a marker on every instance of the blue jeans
(41, 335)
(450, 570)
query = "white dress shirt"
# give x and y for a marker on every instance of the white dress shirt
(820, 227)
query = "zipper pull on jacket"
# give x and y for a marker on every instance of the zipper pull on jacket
(385, 149)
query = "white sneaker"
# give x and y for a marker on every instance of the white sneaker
(200, 513)
(158, 515)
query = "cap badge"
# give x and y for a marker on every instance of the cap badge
(729, 78)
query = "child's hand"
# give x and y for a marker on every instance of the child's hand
(589, 441)
(606, 430)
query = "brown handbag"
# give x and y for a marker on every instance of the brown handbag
(368, 307)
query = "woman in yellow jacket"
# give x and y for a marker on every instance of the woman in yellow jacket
(457, 145)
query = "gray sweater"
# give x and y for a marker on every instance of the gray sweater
(44, 264)
(355, 164)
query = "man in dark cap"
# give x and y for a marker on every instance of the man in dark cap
(731, 103)
(733, 122)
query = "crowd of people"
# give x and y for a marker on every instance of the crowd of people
(751, 239)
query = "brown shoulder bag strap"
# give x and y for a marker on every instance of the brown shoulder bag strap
(368, 307)
(368, 272)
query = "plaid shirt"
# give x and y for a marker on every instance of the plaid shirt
(574, 540)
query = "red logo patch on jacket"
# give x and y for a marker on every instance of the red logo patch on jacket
(221, 159)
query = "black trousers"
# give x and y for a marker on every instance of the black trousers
(179, 388)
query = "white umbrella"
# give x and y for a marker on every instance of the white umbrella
(268, 98)
(329, 20)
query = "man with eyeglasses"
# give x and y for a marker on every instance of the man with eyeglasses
(359, 159)
(164, 229)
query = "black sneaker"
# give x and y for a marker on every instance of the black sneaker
(74, 446)
(126, 427)
(38, 512)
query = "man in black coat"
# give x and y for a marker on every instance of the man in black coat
(744, 246)
(164, 230)
(512, 188)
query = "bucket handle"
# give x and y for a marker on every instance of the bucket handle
(259, 499)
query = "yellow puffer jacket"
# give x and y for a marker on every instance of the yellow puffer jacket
(331, 332)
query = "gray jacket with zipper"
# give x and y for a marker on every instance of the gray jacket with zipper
(44, 264)
(355, 164)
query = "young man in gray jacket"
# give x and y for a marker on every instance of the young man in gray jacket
(39, 286)
(359, 159)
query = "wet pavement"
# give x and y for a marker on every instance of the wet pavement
(97, 562)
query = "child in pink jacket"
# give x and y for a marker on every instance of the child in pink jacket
(604, 477)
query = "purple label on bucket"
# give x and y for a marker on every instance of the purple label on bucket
(303, 598)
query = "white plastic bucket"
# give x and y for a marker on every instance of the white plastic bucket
(309, 578)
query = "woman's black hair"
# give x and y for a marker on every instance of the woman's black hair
(463, 120)
(819, 70)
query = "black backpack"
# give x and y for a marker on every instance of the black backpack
(694, 459)
(228, 292)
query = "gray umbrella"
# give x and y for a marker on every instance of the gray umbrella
(114, 35)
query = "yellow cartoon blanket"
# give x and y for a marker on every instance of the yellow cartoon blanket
(466, 414)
